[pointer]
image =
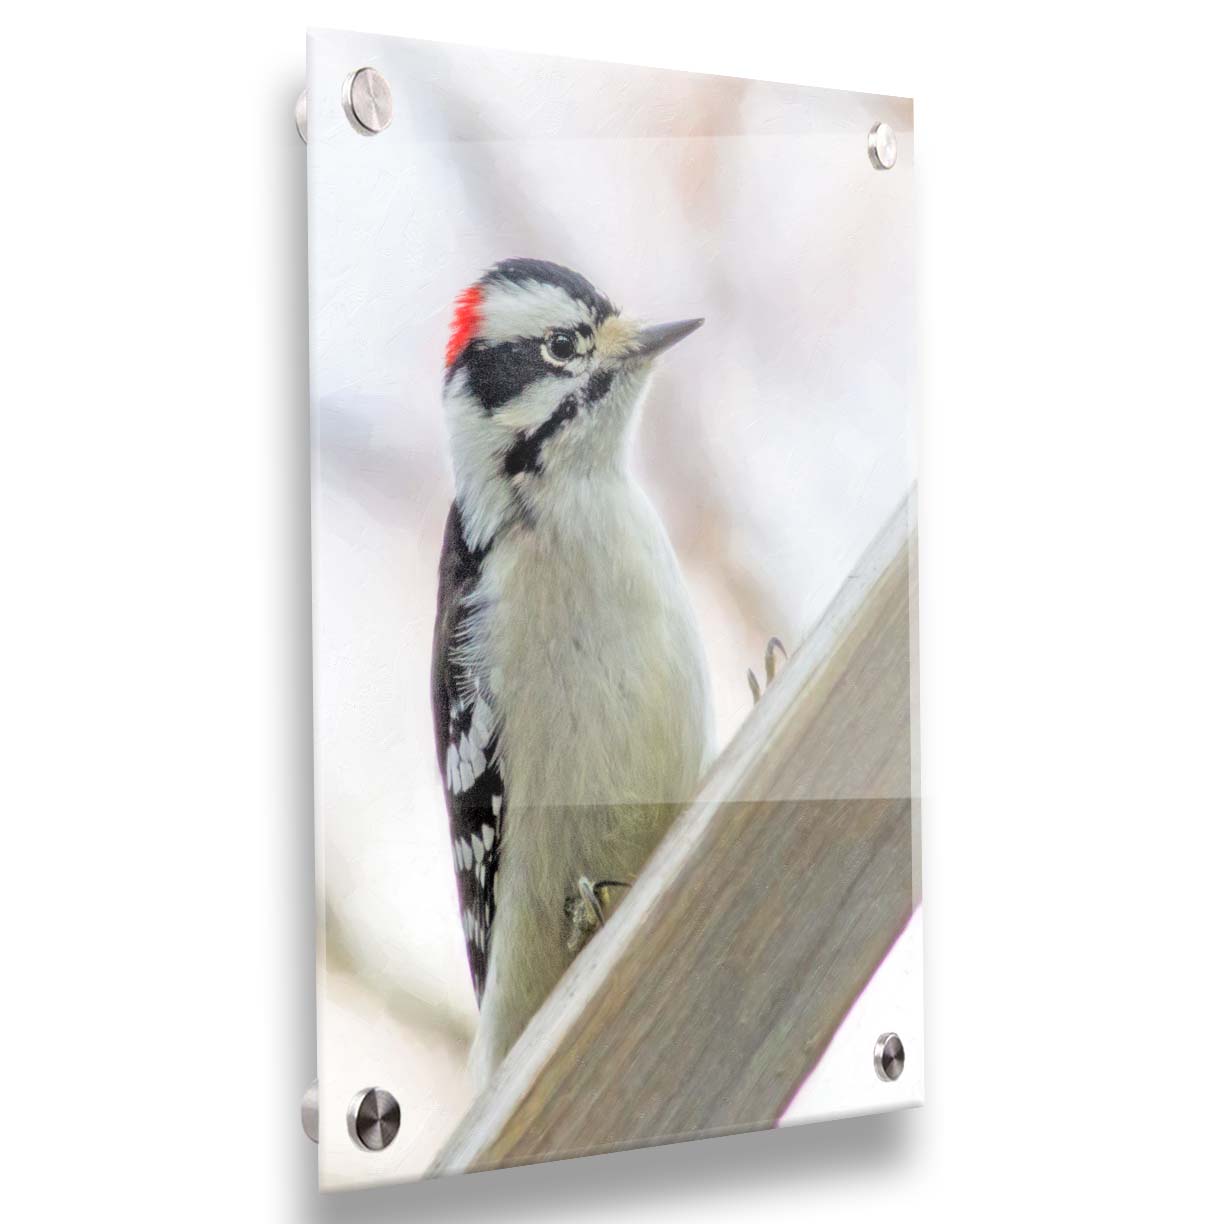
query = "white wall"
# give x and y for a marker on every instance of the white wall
(156, 788)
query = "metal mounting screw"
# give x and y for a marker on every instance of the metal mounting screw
(367, 101)
(299, 115)
(373, 1119)
(882, 146)
(889, 1056)
(310, 1112)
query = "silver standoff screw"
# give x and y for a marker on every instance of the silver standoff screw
(310, 1112)
(882, 146)
(366, 97)
(889, 1056)
(299, 115)
(373, 1119)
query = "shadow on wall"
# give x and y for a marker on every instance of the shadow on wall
(644, 1179)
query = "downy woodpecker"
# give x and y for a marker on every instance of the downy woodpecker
(570, 692)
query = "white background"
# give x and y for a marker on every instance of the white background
(155, 672)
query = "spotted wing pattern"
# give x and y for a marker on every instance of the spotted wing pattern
(465, 731)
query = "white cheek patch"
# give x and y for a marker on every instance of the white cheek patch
(477, 444)
(535, 405)
(527, 308)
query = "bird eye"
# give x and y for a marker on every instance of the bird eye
(561, 345)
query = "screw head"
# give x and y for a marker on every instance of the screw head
(882, 146)
(310, 1112)
(373, 1119)
(889, 1056)
(366, 98)
(299, 115)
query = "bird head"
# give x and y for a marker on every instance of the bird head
(543, 379)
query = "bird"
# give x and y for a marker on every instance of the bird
(570, 689)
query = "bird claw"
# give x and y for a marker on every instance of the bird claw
(754, 686)
(588, 911)
(772, 648)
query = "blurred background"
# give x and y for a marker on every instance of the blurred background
(775, 442)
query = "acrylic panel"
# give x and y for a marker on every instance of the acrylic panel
(615, 579)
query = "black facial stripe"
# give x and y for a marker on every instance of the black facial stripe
(498, 373)
(524, 455)
(598, 385)
(519, 271)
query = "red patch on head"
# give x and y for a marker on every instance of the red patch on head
(465, 321)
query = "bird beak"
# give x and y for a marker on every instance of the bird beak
(653, 340)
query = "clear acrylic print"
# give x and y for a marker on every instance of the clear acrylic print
(614, 589)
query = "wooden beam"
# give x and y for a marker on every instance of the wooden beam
(720, 980)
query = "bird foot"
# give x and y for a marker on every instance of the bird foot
(588, 911)
(773, 648)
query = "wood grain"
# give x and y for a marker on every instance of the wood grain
(720, 981)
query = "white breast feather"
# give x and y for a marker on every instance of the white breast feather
(603, 704)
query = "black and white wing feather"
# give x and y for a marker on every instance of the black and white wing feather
(465, 729)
